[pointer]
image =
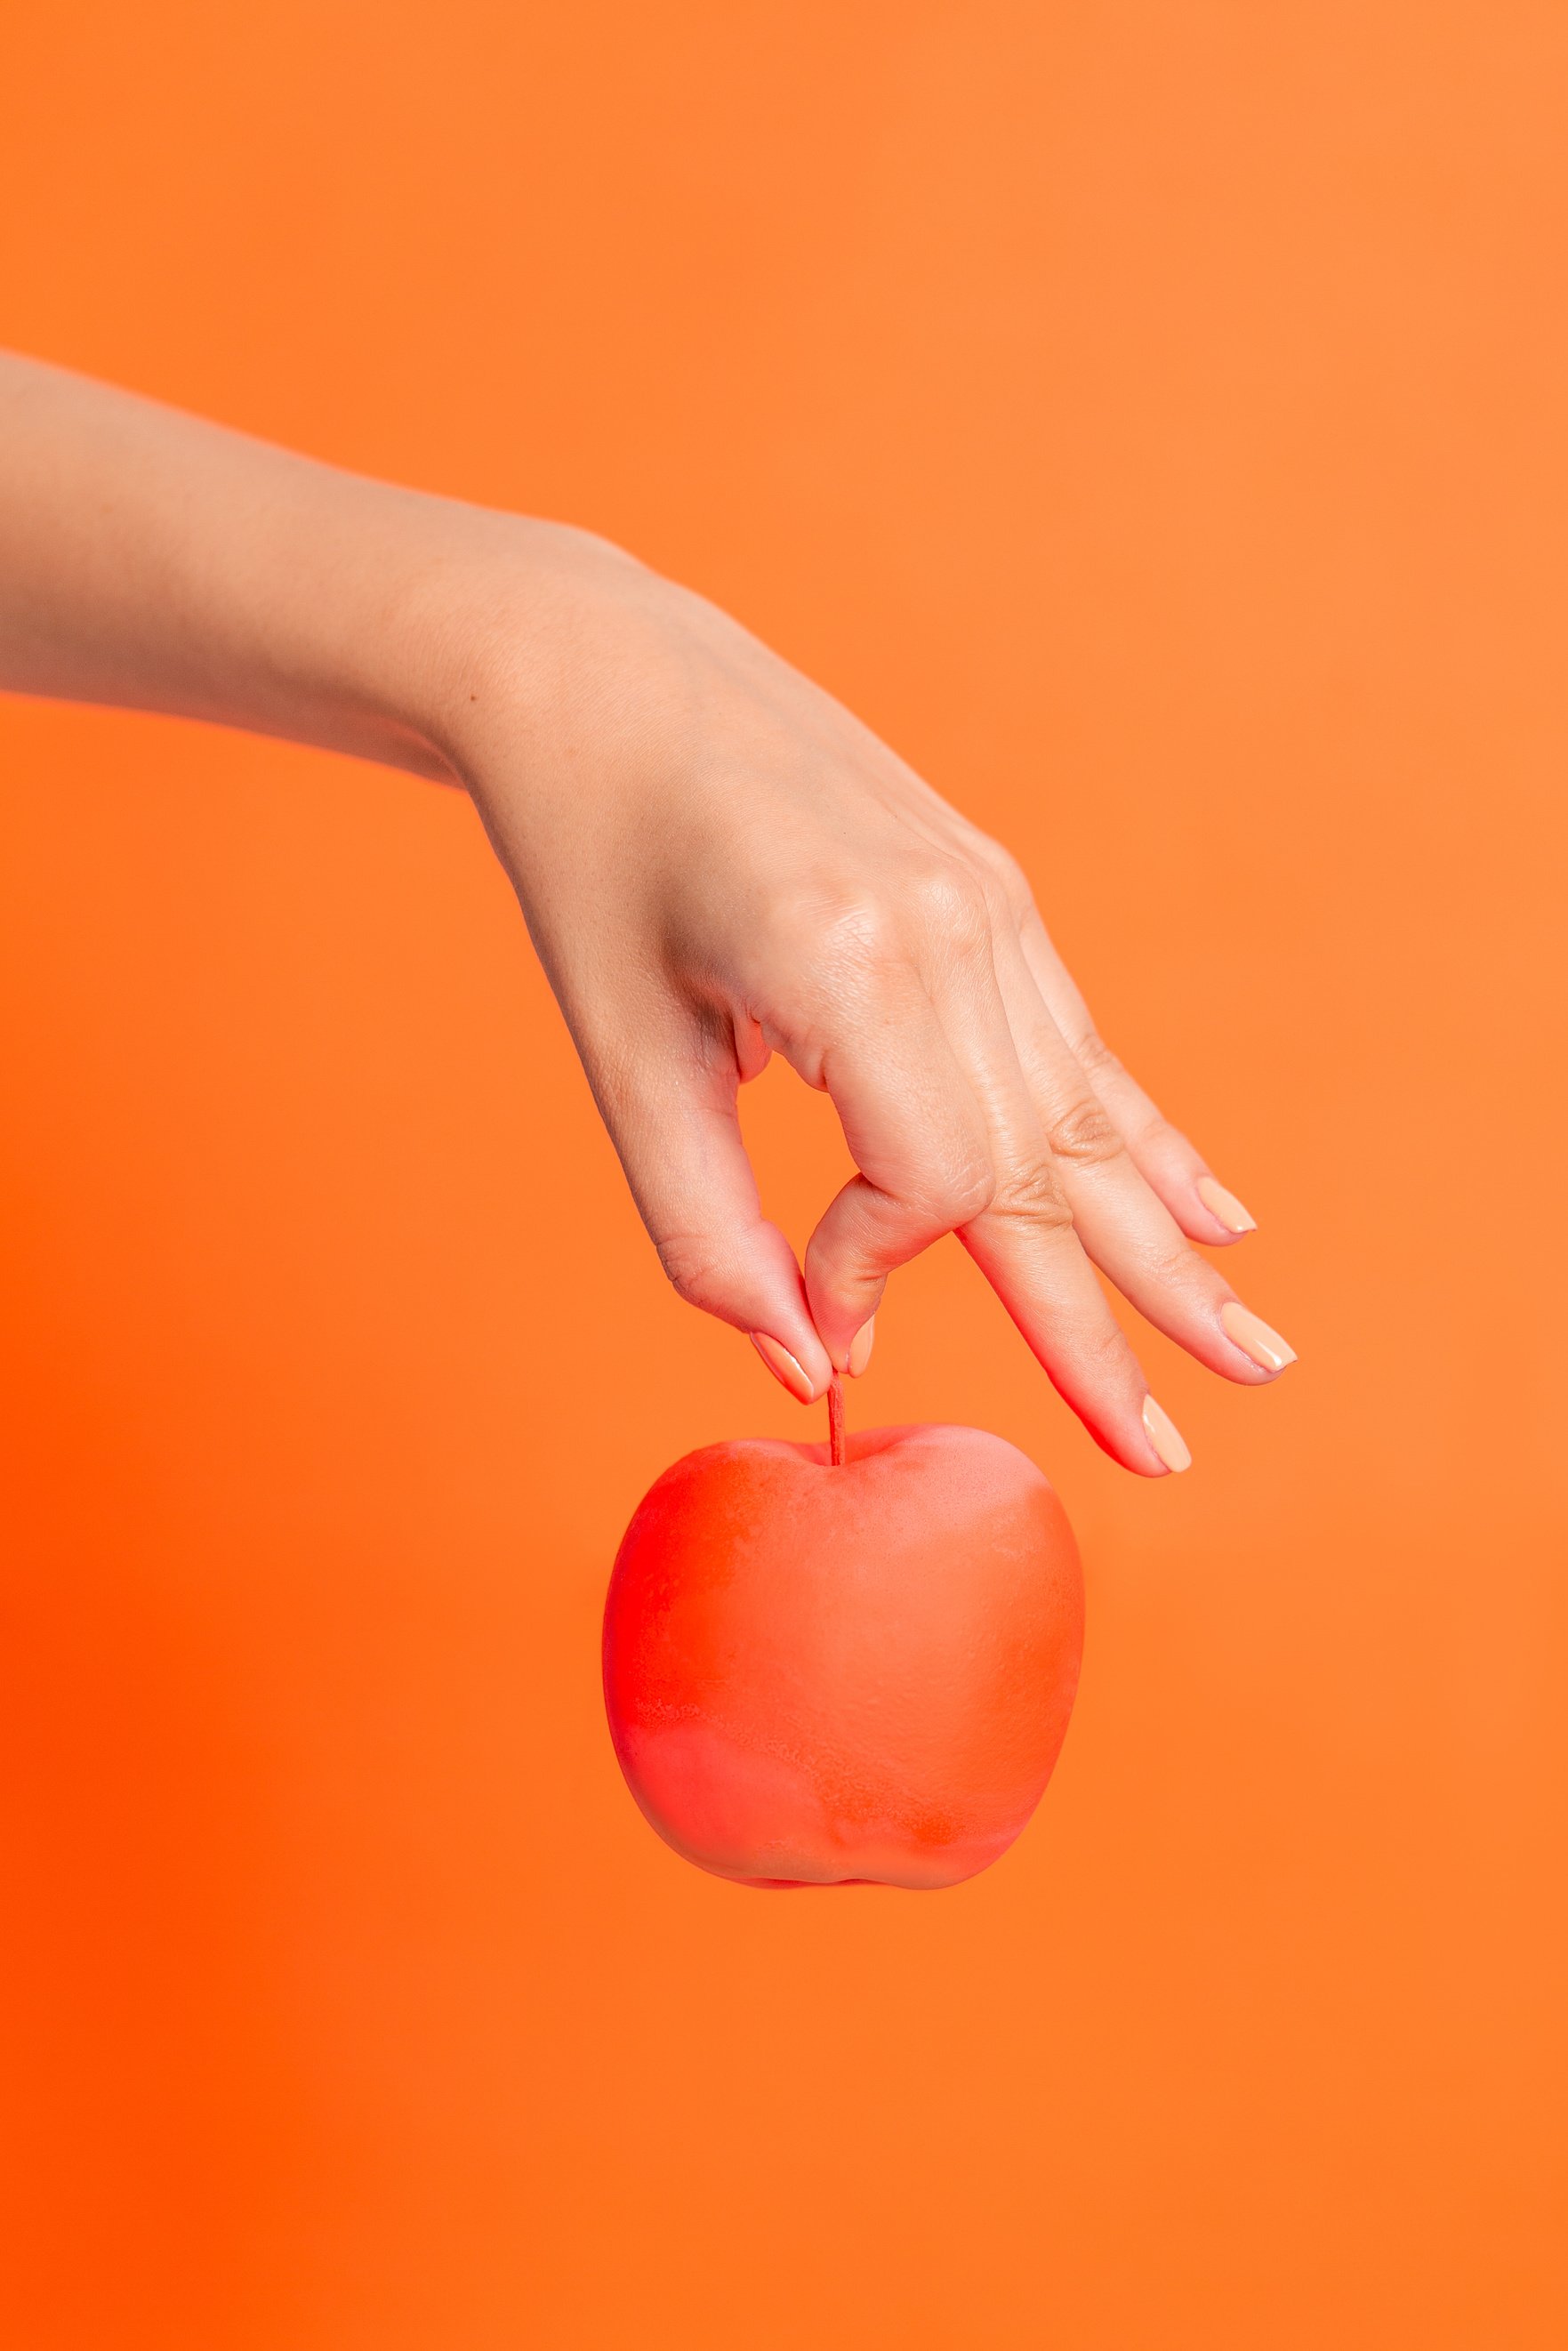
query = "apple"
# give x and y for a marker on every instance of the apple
(844, 1671)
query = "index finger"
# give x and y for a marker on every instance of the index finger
(917, 1136)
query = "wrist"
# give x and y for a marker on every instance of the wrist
(509, 622)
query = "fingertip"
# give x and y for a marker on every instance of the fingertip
(1205, 1209)
(1169, 1447)
(787, 1368)
(1131, 1448)
(1224, 1209)
(1134, 1431)
(1257, 1340)
(845, 1322)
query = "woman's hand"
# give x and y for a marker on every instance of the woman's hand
(718, 862)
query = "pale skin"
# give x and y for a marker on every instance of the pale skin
(717, 861)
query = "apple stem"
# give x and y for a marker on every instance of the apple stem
(836, 1421)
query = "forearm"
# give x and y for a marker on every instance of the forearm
(155, 561)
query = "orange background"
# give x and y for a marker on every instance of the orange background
(1152, 419)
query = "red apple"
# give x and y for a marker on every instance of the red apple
(850, 1673)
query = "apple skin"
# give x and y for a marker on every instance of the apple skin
(839, 1675)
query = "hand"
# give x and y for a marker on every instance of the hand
(718, 862)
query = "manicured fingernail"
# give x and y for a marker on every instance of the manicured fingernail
(783, 1366)
(1165, 1436)
(1254, 1338)
(1225, 1205)
(860, 1347)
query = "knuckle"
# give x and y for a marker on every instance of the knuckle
(1177, 1268)
(1082, 1134)
(856, 934)
(1007, 878)
(1028, 1193)
(956, 1195)
(693, 1269)
(1163, 1141)
(1094, 1055)
(1196, 1291)
(1188, 1281)
(950, 901)
(1108, 1350)
(970, 1192)
(812, 918)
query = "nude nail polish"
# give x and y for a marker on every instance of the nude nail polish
(860, 1347)
(1165, 1436)
(1225, 1205)
(1254, 1338)
(784, 1367)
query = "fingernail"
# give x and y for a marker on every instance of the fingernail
(1254, 1338)
(1225, 1205)
(860, 1347)
(1165, 1436)
(783, 1366)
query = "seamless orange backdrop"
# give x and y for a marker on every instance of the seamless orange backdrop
(1151, 418)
